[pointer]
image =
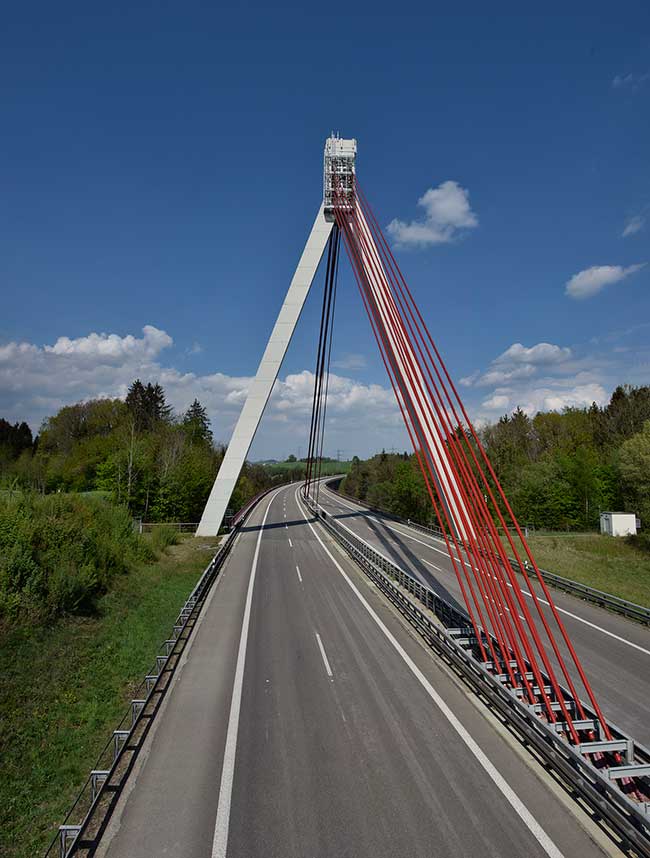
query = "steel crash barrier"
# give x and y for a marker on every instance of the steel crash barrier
(89, 815)
(582, 591)
(607, 790)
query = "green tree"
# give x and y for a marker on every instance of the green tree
(14, 438)
(197, 424)
(408, 497)
(147, 405)
(634, 469)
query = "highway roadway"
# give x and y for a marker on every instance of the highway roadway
(307, 720)
(614, 651)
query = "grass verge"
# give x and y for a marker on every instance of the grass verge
(63, 689)
(603, 562)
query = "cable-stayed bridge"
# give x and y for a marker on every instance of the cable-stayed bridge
(341, 683)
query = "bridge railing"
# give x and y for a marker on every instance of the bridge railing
(640, 613)
(86, 820)
(449, 632)
(150, 526)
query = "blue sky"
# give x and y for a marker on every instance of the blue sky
(161, 165)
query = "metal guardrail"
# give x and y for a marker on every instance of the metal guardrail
(582, 591)
(629, 819)
(97, 799)
(179, 526)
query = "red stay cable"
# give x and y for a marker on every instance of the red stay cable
(359, 276)
(415, 381)
(480, 506)
(499, 546)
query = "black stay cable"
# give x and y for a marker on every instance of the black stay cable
(323, 350)
(314, 406)
(321, 376)
(335, 269)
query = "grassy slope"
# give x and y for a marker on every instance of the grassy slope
(600, 561)
(63, 689)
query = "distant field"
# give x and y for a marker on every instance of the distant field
(328, 468)
(603, 562)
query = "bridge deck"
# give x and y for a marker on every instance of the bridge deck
(614, 651)
(341, 749)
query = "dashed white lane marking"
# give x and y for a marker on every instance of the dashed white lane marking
(324, 655)
(500, 782)
(290, 543)
(222, 824)
(299, 575)
(525, 592)
(429, 563)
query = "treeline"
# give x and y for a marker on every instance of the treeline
(558, 470)
(158, 464)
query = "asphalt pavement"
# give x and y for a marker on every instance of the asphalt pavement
(307, 720)
(614, 651)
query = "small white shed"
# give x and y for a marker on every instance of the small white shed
(618, 523)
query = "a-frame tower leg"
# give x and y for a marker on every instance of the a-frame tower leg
(267, 372)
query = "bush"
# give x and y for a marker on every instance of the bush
(162, 537)
(59, 552)
(641, 541)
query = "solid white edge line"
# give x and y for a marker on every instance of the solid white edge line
(299, 575)
(324, 655)
(220, 840)
(500, 782)
(525, 592)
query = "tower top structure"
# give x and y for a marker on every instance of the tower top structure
(338, 171)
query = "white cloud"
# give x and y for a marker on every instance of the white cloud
(499, 376)
(518, 362)
(554, 399)
(548, 397)
(630, 81)
(633, 225)
(541, 353)
(514, 375)
(592, 280)
(36, 381)
(556, 377)
(496, 402)
(447, 213)
(102, 347)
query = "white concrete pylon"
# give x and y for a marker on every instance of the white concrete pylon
(267, 372)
